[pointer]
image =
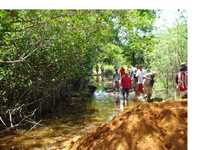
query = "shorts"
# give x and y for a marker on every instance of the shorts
(140, 88)
(182, 88)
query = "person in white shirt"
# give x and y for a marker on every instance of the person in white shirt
(140, 77)
(133, 77)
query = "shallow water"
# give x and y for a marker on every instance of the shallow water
(59, 133)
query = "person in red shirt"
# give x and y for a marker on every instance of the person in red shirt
(126, 85)
(122, 72)
(181, 81)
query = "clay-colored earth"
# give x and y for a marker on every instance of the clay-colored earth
(145, 126)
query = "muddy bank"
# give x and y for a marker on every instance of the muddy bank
(145, 126)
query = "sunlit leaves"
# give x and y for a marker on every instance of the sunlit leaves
(170, 51)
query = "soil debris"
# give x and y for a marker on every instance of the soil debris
(145, 126)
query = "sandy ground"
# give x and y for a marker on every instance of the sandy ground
(145, 126)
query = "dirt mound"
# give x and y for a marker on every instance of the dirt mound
(146, 126)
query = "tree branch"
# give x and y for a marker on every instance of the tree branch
(3, 122)
(11, 62)
(22, 59)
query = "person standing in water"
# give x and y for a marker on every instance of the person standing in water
(140, 77)
(133, 77)
(126, 85)
(116, 79)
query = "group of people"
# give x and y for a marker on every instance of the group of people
(130, 78)
(142, 82)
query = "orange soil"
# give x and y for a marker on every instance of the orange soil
(145, 126)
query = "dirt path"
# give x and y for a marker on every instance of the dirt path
(145, 126)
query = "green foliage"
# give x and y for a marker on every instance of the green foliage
(170, 51)
(47, 53)
(140, 39)
(44, 47)
(132, 38)
(49, 46)
(111, 54)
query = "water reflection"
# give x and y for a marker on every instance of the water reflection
(58, 132)
(120, 104)
(117, 103)
(116, 98)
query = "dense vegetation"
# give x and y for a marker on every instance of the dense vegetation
(169, 52)
(47, 55)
